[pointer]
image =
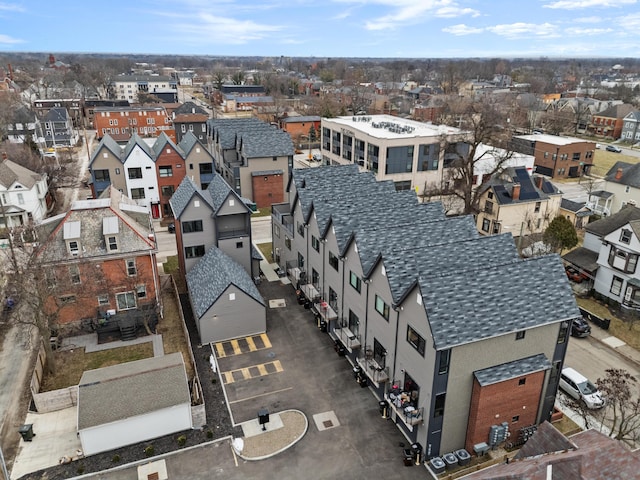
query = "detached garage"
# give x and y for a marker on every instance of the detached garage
(226, 303)
(133, 402)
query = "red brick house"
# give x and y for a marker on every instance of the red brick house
(121, 122)
(299, 128)
(170, 168)
(609, 122)
(99, 260)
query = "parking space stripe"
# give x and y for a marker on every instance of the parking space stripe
(251, 344)
(242, 345)
(265, 340)
(236, 347)
(220, 350)
(254, 371)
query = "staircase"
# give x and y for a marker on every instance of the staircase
(128, 330)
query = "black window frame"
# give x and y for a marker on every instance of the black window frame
(333, 261)
(355, 282)
(315, 243)
(416, 340)
(192, 226)
(194, 251)
(134, 173)
(384, 308)
(102, 175)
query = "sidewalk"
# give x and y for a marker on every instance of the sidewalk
(616, 344)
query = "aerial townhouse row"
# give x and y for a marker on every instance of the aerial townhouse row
(254, 157)
(121, 123)
(149, 173)
(454, 332)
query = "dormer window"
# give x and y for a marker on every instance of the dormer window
(110, 230)
(625, 236)
(71, 235)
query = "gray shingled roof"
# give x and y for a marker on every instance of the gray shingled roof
(219, 190)
(212, 275)
(266, 143)
(189, 140)
(11, 172)
(630, 174)
(571, 205)
(302, 119)
(472, 305)
(56, 114)
(110, 144)
(510, 370)
(133, 226)
(182, 196)
(161, 141)
(607, 225)
(127, 390)
(137, 140)
(190, 108)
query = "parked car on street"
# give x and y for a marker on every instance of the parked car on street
(579, 388)
(171, 228)
(580, 328)
(613, 148)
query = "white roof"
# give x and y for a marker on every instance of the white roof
(110, 225)
(71, 230)
(389, 127)
(552, 139)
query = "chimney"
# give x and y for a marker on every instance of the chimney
(619, 174)
(539, 182)
(515, 194)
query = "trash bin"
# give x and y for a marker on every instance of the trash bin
(407, 456)
(322, 324)
(383, 406)
(26, 431)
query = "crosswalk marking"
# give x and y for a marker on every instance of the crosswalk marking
(254, 371)
(242, 345)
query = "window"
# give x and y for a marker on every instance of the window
(300, 229)
(67, 299)
(74, 273)
(194, 252)
(625, 236)
(20, 199)
(354, 323)
(300, 261)
(522, 381)
(137, 193)
(131, 267)
(616, 285)
(315, 243)
(443, 363)
(192, 226)
(355, 281)
(167, 190)
(520, 335)
(485, 225)
(165, 171)
(438, 408)
(623, 261)
(74, 247)
(415, 340)
(239, 244)
(515, 419)
(333, 261)
(276, 230)
(488, 206)
(564, 331)
(126, 300)
(206, 168)
(112, 243)
(141, 291)
(101, 175)
(287, 242)
(382, 308)
(399, 159)
(103, 299)
(537, 207)
(134, 173)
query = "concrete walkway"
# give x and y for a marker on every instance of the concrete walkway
(90, 343)
(616, 344)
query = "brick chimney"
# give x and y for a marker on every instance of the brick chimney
(539, 182)
(515, 194)
(619, 174)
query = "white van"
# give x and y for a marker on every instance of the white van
(580, 388)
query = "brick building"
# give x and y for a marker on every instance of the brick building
(122, 122)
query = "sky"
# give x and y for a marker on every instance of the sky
(325, 28)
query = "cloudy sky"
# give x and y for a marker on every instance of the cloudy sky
(326, 28)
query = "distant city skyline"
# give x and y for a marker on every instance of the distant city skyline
(332, 28)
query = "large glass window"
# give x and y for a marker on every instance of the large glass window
(443, 362)
(373, 154)
(347, 147)
(415, 340)
(354, 323)
(135, 173)
(192, 226)
(126, 300)
(165, 171)
(137, 193)
(194, 251)
(382, 308)
(101, 175)
(205, 168)
(333, 261)
(622, 260)
(428, 157)
(438, 409)
(399, 160)
(355, 281)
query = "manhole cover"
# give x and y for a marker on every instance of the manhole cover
(327, 424)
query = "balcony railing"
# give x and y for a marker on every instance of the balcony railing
(348, 339)
(375, 372)
(599, 209)
(410, 415)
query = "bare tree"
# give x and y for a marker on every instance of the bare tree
(622, 406)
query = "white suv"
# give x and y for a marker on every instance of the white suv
(578, 387)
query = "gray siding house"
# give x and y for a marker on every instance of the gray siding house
(225, 301)
(435, 318)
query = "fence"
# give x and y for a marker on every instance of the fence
(603, 323)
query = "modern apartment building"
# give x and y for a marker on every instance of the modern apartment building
(454, 333)
(411, 154)
(127, 87)
(123, 122)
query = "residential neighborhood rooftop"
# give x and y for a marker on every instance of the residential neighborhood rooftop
(390, 127)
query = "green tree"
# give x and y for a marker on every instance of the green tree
(560, 234)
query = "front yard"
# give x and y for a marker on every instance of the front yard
(628, 332)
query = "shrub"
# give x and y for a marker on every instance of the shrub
(80, 469)
(115, 458)
(209, 434)
(182, 440)
(149, 450)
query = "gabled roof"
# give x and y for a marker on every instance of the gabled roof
(161, 141)
(190, 108)
(502, 185)
(218, 191)
(616, 111)
(571, 206)
(182, 196)
(118, 392)
(609, 224)
(212, 275)
(634, 115)
(134, 227)
(630, 174)
(137, 140)
(57, 114)
(11, 172)
(110, 144)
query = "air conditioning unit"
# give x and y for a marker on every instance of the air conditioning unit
(111, 312)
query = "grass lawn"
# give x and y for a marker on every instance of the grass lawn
(628, 332)
(71, 363)
(265, 248)
(603, 161)
(262, 212)
(171, 265)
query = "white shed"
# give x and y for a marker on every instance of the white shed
(133, 402)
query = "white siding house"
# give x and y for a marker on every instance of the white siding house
(23, 194)
(140, 173)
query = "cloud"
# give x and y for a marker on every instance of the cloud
(11, 7)
(230, 31)
(401, 13)
(581, 4)
(521, 30)
(462, 29)
(7, 40)
(578, 31)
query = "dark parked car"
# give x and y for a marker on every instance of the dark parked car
(574, 275)
(580, 328)
(613, 148)
(171, 228)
